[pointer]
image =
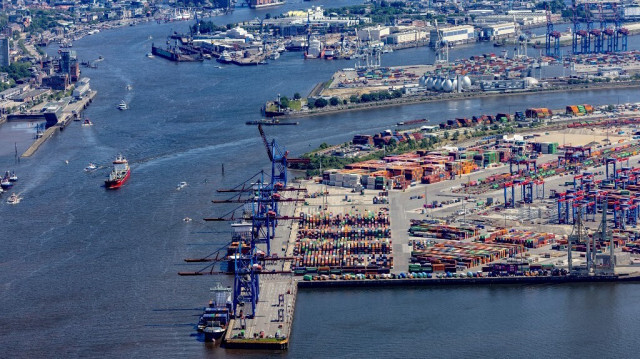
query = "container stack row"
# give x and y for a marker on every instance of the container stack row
(328, 243)
(429, 229)
(430, 256)
(527, 239)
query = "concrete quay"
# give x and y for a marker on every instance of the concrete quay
(72, 110)
(270, 328)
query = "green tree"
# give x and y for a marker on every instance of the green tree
(446, 134)
(296, 96)
(354, 99)
(17, 70)
(334, 101)
(311, 104)
(284, 101)
(320, 103)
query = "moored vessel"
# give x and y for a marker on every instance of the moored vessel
(6, 182)
(271, 122)
(225, 57)
(215, 319)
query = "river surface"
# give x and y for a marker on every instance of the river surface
(92, 273)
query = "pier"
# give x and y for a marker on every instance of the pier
(271, 326)
(68, 114)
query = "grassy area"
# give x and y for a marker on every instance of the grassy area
(295, 105)
(273, 108)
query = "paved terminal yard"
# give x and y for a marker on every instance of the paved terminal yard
(348, 237)
(271, 326)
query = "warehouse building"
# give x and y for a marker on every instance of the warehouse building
(407, 36)
(498, 31)
(453, 35)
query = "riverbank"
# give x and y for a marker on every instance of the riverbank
(453, 96)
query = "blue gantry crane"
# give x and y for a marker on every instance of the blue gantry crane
(259, 224)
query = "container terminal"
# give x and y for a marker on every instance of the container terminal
(507, 210)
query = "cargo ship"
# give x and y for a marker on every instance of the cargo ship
(215, 319)
(120, 173)
(259, 4)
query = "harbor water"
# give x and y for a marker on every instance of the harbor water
(87, 272)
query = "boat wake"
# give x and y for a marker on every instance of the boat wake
(152, 161)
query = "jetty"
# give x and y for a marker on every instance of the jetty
(270, 328)
(66, 115)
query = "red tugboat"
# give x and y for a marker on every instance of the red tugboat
(119, 174)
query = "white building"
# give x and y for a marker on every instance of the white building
(406, 37)
(631, 13)
(373, 33)
(453, 35)
(500, 30)
(82, 87)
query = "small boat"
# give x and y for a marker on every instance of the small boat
(263, 62)
(274, 55)
(186, 219)
(123, 106)
(90, 167)
(6, 183)
(181, 185)
(129, 87)
(87, 122)
(218, 67)
(225, 57)
(150, 55)
(207, 56)
(13, 177)
(14, 199)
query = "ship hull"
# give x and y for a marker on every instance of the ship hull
(117, 183)
(211, 334)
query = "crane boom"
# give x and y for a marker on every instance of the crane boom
(266, 143)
